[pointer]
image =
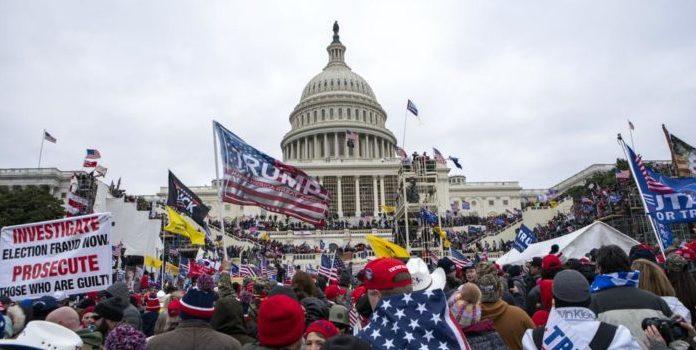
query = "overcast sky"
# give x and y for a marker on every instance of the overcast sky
(527, 91)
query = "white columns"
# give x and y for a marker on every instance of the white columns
(306, 148)
(339, 194)
(326, 145)
(374, 195)
(345, 146)
(357, 196)
(336, 144)
(381, 189)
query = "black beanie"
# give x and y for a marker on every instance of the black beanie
(110, 309)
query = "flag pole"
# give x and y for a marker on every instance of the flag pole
(640, 194)
(219, 197)
(630, 131)
(403, 139)
(43, 138)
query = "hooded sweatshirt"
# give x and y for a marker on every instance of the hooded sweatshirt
(584, 322)
(510, 321)
(130, 313)
(229, 317)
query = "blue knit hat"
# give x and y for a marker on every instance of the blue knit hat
(198, 304)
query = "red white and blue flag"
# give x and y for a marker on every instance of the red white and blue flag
(92, 154)
(328, 268)
(247, 270)
(418, 320)
(459, 259)
(438, 157)
(252, 177)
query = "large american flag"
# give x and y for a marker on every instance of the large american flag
(418, 320)
(328, 268)
(438, 156)
(653, 184)
(251, 177)
(459, 259)
(247, 270)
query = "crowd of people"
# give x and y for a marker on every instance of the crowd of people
(608, 299)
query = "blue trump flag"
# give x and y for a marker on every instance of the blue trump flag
(667, 200)
(524, 238)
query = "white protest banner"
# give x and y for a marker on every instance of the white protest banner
(72, 255)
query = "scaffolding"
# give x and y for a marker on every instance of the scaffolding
(417, 186)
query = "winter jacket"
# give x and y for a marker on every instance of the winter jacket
(678, 308)
(483, 336)
(584, 321)
(533, 298)
(628, 306)
(90, 339)
(130, 312)
(229, 319)
(149, 320)
(193, 335)
(520, 297)
(510, 321)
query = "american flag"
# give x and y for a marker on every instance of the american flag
(438, 157)
(400, 151)
(253, 178)
(89, 163)
(92, 154)
(327, 268)
(234, 270)
(264, 266)
(623, 174)
(183, 267)
(433, 257)
(48, 137)
(411, 107)
(247, 270)
(418, 320)
(459, 259)
(653, 184)
(354, 317)
(76, 204)
(351, 138)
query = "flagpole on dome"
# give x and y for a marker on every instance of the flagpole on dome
(630, 131)
(640, 194)
(219, 195)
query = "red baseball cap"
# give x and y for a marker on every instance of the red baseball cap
(551, 262)
(357, 293)
(333, 291)
(379, 274)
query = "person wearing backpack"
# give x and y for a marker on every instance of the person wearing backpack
(572, 325)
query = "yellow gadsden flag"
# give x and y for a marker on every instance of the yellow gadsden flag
(180, 226)
(151, 261)
(384, 248)
(388, 209)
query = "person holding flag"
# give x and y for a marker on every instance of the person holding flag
(524, 238)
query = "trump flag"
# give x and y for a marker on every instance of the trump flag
(251, 177)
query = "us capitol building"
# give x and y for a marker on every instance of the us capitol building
(362, 179)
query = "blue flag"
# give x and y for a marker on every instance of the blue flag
(455, 161)
(667, 200)
(428, 216)
(524, 238)
(412, 107)
(418, 320)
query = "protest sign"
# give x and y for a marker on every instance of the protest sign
(71, 255)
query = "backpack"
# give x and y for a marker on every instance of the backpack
(601, 340)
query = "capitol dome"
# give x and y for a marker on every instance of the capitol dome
(335, 105)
